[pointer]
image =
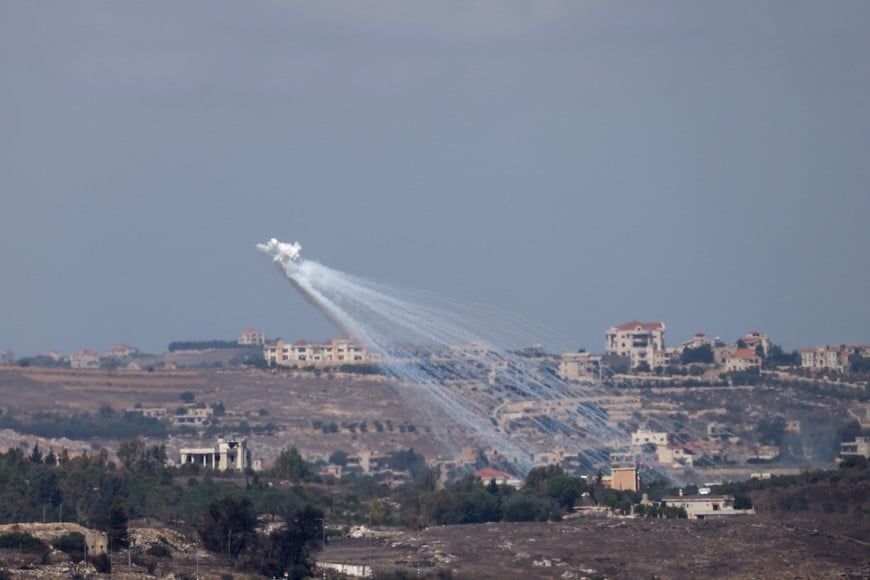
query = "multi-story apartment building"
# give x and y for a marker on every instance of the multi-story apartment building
(640, 341)
(251, 336)
(338, 352)
(832, 357)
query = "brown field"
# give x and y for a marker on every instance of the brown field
(742, 547)
(292, 401)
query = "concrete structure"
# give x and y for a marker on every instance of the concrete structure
(252, 337)
(755, 339)
(835, 358)
(352, 570)
(578, 366)
(700, 339)
(640, 341)
(84, 359)
(96, 542)
(153, 412)
(120, 351)
(338, 352)
(699, 507)
(6, 357)
(487, 474)
(228, 454)
(641, 437)
(859, 447)
(624, 478)
(193, 416)
(743, 360)
(470, 455)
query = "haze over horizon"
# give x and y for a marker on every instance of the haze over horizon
(580, 164)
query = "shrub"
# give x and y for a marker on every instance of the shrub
(72, 544)
(23, 542)
(159, 551)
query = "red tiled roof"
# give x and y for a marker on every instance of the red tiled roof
(300, 342)
(643, 325)
(700, 334)
(490, 473)
(745, 353)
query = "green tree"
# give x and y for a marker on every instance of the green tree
(290, 549)
(742, 501)
(526, 508)
(228, 526)
(538, 477)
(136, 457)
(290, 465)
(338, 458)
(118, 523)
(702, 354)
(565, 490)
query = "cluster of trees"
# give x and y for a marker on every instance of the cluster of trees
(108, 424)
(96, 492)
(230, 526)
(177, 345)
(548, 494)
(842, 491)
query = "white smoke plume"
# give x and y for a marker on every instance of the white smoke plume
(417, 336)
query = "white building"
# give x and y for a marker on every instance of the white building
(754, 339)
(577, 366)
(120, 351)
(832, 357)
(338, 352)
(640, 341)
(227, 455)
(193, 416)
(700, 339)
(643, 437)
(699, 507)
(84, 359)
(743, 360)
(252, 337)
(859, 447)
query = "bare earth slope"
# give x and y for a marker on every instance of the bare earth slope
(616, 548)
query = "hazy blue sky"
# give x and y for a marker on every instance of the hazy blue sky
(579, 163)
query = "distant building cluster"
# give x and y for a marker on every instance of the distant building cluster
(640, 346)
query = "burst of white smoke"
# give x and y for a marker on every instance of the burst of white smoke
(281, 251)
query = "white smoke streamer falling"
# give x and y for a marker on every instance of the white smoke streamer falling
(417, 334)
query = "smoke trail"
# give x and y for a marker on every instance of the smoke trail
(460, 362)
